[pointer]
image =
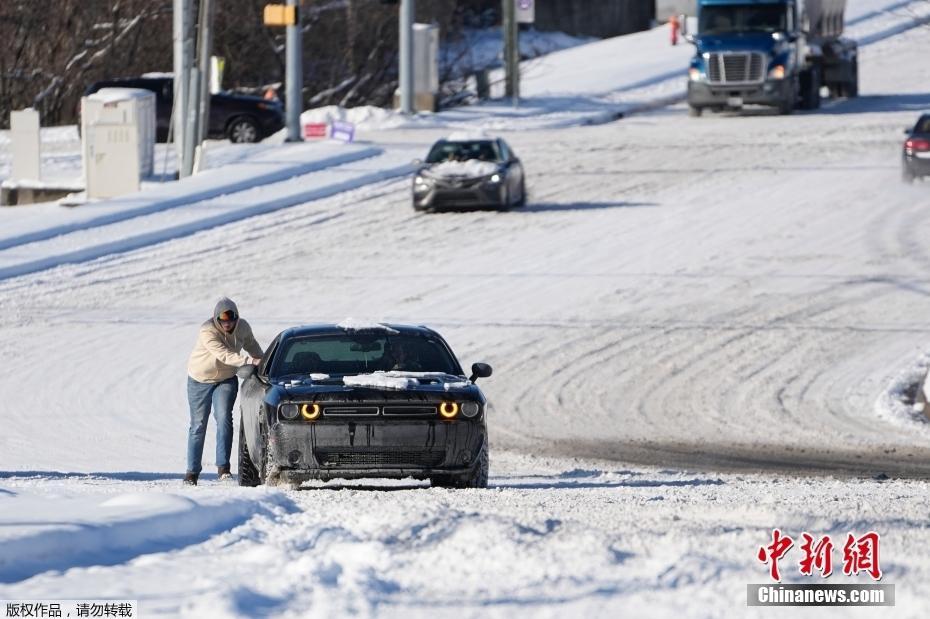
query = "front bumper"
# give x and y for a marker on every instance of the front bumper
(770, 92)
(353, 449)
(475, 194)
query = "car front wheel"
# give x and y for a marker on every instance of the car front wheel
(248, 474)
(243, 130)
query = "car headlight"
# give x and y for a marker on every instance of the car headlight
(494, 179)
(694, 74)
(448, 410)
(289, 411)
(310, 412)
(422, 180)
(470, 409)
(777, 72)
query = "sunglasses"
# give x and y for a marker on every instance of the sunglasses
(227, 317)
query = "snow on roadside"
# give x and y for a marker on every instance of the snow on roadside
(59, 524)
(898, 402)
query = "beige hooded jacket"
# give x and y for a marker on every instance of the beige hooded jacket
(216, 355)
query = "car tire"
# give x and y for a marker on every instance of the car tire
(477, 478)
(907, 177)
(243, 130)
(522, 200)
(248, 474)
(694, 111)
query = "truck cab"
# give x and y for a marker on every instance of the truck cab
(776, 53)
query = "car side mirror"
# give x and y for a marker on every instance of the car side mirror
(907, 130)
(479, 370)
(246, 371)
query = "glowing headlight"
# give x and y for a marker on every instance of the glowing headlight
(310, 411)
(448, 410)
(290, 411)
(421, 180)
(470, 409)
(495, 178)
(777, 72)
(694, 74)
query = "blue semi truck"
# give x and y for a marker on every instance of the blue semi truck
(777, 53)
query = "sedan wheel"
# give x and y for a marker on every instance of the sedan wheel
(243, 131)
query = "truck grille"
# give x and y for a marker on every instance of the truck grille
(735, 68)
(390, 459)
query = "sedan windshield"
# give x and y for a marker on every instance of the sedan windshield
(742, 18)
(362, 353)
(483, 150)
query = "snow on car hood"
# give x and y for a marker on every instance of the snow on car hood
(472, 168)
(401, 381)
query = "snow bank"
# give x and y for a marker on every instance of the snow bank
(64, 528)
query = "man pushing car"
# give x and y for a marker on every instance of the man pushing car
(211, 380)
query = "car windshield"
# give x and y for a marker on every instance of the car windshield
(362, 353)
(483, 150)
(742, 18)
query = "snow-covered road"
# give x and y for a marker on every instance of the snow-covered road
(689, 317)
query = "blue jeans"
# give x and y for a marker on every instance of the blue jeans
(201, 396)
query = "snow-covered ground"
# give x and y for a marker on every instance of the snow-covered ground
(699, 329)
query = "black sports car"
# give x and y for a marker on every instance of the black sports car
(916, 153)
(469, 172)
(362, 400)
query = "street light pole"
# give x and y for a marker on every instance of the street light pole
(405, 69)
(294, 70)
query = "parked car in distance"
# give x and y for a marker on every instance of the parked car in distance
(469, 171)
(916, 151)
(239, 118)
(357, 401)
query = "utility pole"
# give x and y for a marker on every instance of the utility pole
(205, 53)
(295, 74)
(183, 55)
(405, 69)
(511, 32)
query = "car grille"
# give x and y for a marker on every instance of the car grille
(459, 183)
(398, 458)
(735, 68)
(349, 411)
(409, 410)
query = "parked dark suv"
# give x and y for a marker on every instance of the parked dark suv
(241, 118)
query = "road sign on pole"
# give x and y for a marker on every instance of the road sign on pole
(526, 11)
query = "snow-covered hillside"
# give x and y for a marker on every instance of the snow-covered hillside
(698, 329)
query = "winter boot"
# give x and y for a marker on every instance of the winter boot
(223, 473)
(191, 479)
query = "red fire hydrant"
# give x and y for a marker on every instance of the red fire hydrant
(673, 25)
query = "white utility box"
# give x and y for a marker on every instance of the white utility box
(24, 127)
(118, 140)
(426, 67)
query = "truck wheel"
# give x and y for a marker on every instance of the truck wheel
(694, 111)
(907, 177)
(248, 474)
(852, 88)
(810, 89)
